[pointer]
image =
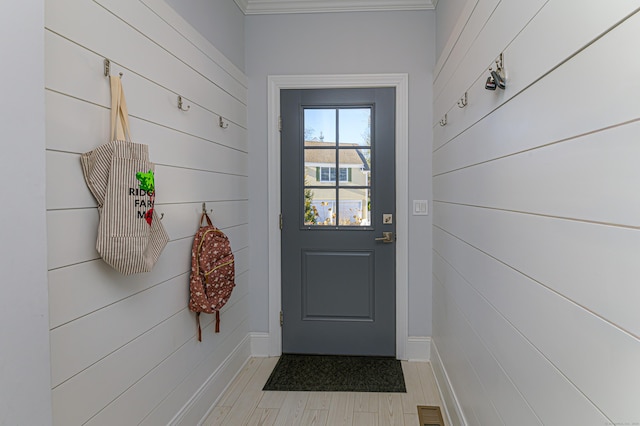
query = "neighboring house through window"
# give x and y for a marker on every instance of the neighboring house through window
(335, 172)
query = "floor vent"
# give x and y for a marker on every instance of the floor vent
(430, 416)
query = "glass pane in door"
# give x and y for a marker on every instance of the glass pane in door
(354, 126)
(320, 166)
(354, 208)
(320, 125)
(320, 207)
(354, 166)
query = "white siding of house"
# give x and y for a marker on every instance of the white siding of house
(536, 216)
(124, 348)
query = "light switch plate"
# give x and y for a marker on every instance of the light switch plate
(420, 207)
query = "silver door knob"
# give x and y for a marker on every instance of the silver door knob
(387, 237)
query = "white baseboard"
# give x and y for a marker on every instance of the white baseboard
(418, 348)
(451, 405)
(260, 343)
(205, 398)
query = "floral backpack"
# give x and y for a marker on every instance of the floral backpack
(212, 272)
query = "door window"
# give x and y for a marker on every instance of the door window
(337, 157)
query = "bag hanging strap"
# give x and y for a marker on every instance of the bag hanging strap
(205, 215)
(124, 112)
(199, 329)
(117, 130)
(119, 113)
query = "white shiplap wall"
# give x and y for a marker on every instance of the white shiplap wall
(537, 216)
(123, 348)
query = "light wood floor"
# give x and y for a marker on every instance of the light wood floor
(244, 403)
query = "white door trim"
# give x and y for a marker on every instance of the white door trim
(401, 84)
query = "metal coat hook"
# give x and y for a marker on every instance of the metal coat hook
(462, 102)
(500, 62)
(221, 123)
(497, 78)
(107, 68)
(181, 103)
(161, 216)
(204, 209)
(443, 121)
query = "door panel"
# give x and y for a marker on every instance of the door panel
(353, 283)
(338, 282)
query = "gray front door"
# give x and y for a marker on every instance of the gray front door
(338, 197)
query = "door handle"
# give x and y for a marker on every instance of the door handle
(387, 237)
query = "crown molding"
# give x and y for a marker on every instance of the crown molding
(243, 5)
(263, 7)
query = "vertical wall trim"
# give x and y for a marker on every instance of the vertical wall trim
(401, 83)
(25, 391)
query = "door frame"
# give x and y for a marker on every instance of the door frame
(401, 83)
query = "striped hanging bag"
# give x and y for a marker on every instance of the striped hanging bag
(122, 180)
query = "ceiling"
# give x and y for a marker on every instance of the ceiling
(260, 7)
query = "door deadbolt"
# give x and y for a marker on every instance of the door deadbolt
(387, 237)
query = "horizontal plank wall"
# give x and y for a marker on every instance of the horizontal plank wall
(537, 216)
(124, 348)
